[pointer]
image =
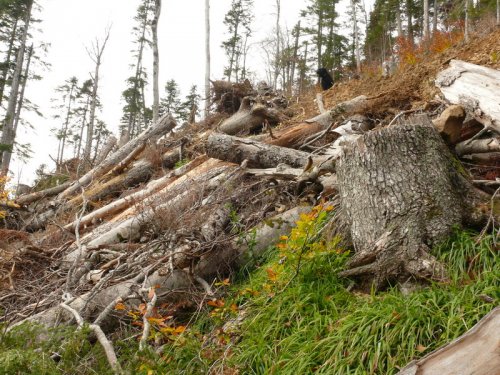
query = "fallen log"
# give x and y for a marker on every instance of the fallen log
(475, 88)
(295, 136)
(249, 118)
(257, 154)
(478, 146)
(129, 200)
(164, 125)
(218, 262)
(475, 352)
(106, 149)
(50, 192)
(400, 194)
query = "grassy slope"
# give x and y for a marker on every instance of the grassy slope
(296, 323)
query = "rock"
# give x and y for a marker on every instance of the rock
(449, 123)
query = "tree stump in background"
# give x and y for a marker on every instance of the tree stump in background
(400, 194)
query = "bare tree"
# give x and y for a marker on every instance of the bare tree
(207, 57)
(8, 134)
(95, 53)
(278, 43)
(156, 61)
(466, 31)
(356, 36)
(498, 12)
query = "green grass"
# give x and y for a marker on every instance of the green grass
(295, 323)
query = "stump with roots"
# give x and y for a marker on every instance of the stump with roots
(400, 194)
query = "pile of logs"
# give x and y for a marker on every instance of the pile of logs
(133, 222)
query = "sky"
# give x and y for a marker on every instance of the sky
(69, 26)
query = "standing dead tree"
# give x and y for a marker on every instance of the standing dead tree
(95, 53)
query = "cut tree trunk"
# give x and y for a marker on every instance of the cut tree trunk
(248, 118)
(400, 195)
(475, 352)
(257, 155)
(474, 87)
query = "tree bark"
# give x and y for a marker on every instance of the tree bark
(258, 155)
(400, 195)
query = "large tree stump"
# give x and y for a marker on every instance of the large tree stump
(400, 194)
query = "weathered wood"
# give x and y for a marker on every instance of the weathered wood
(475, 352)
(258, 155)
(345, 108)
(220, 261)
(474, 87)
(106, 149)
(399, 195)
(50, 192)
(478, 146)
(125, 202)
(165, 124)
(248, 118)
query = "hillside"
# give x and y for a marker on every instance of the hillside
(263, 240)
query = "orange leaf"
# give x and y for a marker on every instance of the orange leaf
(179, 329)
(216, 303)
(271, 274)
(234, 308)
(120, 306)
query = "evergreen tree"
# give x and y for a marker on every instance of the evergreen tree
(189, 108)
(171, 103)
(238, 21)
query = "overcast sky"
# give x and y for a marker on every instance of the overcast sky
(70, 25)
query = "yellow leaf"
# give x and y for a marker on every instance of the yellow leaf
(234, 308)
(284, 238)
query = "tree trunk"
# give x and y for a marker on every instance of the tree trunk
(278, 41)
(7, 140)
(475, 352)
(207, 57)
(33, 197)
(466, 21)
(426, 20)
(7, 154)
(399, 195)
(156, 61)
(295, 58)
(5, 69)
(356, 37)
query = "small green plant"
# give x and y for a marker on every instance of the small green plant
(180, 163)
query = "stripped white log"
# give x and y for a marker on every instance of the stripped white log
(474, 87)
(475, 352)
(478, 146)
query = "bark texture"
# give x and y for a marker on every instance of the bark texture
(400, 194)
